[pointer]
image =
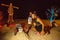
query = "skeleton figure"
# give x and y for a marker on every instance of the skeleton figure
(10, 12)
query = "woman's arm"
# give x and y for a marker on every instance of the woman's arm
(39, 20)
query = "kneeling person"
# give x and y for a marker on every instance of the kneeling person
(38, 24)
(18, 28)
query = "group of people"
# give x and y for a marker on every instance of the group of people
(39, 26)
(36, 24)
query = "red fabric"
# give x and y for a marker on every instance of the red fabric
(23, 25)
(1, 23)
(11, 25)
(1, 26)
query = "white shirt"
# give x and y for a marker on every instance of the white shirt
(29, 20)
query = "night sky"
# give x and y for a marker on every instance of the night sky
(25, 6)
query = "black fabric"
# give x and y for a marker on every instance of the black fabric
(38, 28)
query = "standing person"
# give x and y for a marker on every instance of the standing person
(29, 21)
(30, 18)
(38, 24)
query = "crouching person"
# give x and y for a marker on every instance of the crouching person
(38, 25)
(18, 28)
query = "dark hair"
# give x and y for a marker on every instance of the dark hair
(35, 14)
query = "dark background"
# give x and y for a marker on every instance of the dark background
(25, 6)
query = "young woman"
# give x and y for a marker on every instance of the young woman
(29, 21)
(30, 18)
(38, 24)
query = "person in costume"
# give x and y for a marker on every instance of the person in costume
(51, 15)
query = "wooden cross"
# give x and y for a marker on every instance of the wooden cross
(10, 11)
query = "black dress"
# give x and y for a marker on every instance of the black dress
(38, 26)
